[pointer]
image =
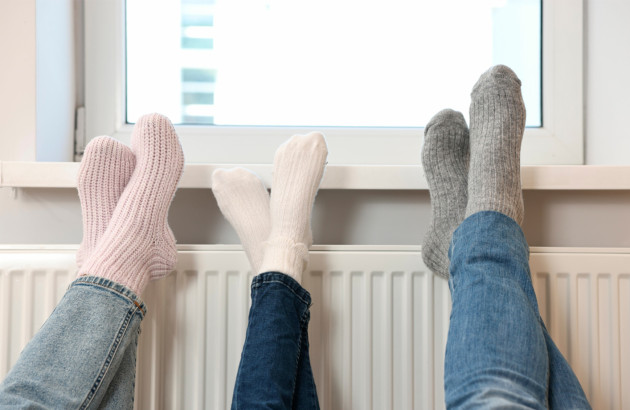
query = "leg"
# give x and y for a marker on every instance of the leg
(496, 353)
(565, 391)
(244, 201)
(121, 391)
(71, 361)
(91, 337)
(105, 171)
(275, 368)
(305, 394)
(498, 349)
(273, 358)
(445, 157)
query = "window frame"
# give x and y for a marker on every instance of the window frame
(559, 142)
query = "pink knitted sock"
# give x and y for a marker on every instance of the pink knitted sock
(105, 170)
(138, 244)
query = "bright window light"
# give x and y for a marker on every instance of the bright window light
(345, 63)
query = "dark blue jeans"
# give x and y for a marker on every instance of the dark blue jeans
(275, 369)
(499, 353)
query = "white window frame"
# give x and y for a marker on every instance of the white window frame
(559, 142)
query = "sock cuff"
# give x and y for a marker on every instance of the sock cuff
(513, 209)
(105, 269)
(285, 256)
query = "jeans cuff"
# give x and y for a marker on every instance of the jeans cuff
(286, 280)
(112, 287)
(489, 223)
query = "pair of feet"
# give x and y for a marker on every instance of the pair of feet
(126, 192)
(476, 169)
(125, 195)
(275, 230)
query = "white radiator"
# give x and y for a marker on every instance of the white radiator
(378, 323)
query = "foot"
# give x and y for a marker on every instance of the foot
(105, 170)
(244, 201)
(445, 157)
(298, 170)
(497, 123)
(138, 244)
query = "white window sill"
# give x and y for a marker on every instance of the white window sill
(379, 177)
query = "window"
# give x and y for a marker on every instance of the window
(353, 69)
(326, 63)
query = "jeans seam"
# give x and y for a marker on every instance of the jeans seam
(135, 362)
(108, 360)
(297, 366)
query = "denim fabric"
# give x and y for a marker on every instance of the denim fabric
(498, 352)
(80, 349)
(121, 390)
(275, 371)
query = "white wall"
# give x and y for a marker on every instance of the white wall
(369, 217)
(37, 80)
(607, 69)
(17, 80)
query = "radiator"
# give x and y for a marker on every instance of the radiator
(378, 328)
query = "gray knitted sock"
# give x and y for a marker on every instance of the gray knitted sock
(445, 162)
(497, 122)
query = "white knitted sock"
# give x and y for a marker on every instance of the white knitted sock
(298, 169)
(105, 170)
(138, 244)
(244, 201)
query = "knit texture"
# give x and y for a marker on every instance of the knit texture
(497, 123)
(105, 170)
(138, 244)
(244, 201)
(298, 170)
(445, 158)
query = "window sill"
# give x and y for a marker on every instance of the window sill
(378, 177)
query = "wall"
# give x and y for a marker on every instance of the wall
(553, 218)
(17, 80)
(387, 217)
(607, 82)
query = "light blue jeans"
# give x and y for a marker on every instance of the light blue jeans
(498, 352)
(84, 356)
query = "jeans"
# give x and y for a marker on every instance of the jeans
(84, 355)
(275, 370)
(499, 353)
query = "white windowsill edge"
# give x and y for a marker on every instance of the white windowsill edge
(72, 248)
(16, 174)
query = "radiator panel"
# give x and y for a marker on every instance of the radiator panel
(378, 327)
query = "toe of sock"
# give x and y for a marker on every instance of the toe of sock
(309, 143)
(446, 117)
(498, 76)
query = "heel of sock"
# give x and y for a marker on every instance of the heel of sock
(285, 256)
